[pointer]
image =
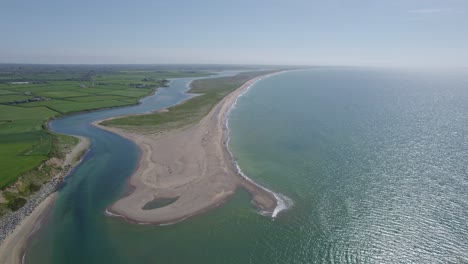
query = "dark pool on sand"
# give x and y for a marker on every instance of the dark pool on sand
(375, 161)
(159, 202)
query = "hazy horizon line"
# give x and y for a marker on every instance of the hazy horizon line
(239, 64)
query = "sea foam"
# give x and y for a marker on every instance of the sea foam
(282, 201)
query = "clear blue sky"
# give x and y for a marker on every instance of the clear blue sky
(331, 32)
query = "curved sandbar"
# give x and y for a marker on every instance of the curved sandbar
(192, 164)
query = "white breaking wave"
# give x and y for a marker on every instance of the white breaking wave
(108, 213)
(282, 201)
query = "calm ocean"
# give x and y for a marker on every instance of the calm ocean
(374, 161)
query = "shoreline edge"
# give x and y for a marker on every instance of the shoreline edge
(269, 202)
(13, 246)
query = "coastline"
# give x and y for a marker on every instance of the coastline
(24, 222)
(198, 182)
(282, 202)
(14, 224)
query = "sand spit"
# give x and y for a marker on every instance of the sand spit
(193, 164)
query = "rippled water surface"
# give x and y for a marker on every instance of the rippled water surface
(375, 161)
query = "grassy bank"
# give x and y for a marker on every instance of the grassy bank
(211, 92)
(29, 98)
(31, 176)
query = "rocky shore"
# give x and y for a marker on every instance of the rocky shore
(9, 221)
(16, 227)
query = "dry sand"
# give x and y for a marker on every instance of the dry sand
(12, 248)
(191, 164)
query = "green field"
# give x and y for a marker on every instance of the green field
(24, 141)
(13, 97)
(62, 94)
(27, 149)
(211, 92)
(3, 92)
(98, 98)
(12, 156)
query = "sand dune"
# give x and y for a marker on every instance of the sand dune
(191, 164)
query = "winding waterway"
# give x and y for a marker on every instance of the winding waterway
(76, 230)
(375, 161)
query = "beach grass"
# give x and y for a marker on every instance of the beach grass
(24, 140)
(13, 163)
(209, 92)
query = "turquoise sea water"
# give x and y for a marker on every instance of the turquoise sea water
(375, 161)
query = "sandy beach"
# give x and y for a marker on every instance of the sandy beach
(12, 248)
(191, 165)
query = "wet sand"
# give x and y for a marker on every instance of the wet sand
(191, 164)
